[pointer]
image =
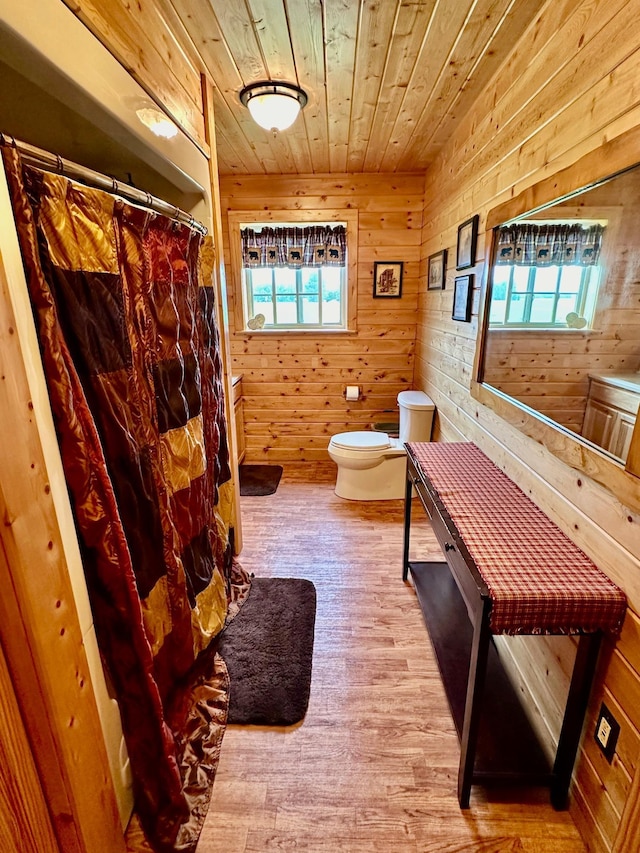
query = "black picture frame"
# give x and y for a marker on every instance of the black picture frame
(387, 279)
(437, 270)
(462, 298)
(467, 243)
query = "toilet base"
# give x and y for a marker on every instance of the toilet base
(383, 482)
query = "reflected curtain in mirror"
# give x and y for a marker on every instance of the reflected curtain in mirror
(548, 244)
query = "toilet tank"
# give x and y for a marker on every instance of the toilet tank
(416, 416)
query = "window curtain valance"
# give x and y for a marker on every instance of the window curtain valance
(564, 244)
(289, 246)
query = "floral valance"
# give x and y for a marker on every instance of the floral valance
(546, 244)
(289, 246)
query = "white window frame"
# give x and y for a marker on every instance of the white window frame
(240, 218)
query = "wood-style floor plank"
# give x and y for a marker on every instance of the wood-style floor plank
(373, 766)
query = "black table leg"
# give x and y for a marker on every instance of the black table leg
(407, 525)
(577, 701)
(472, 708)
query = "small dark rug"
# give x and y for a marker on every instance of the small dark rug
(268, 650)
(259, 480)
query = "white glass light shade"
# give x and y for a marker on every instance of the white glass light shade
(273, 111)
(274, 106)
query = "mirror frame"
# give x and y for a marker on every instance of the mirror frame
(605, 162)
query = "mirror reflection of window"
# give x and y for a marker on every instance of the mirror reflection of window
(546, 275)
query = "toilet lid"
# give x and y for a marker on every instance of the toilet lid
(361, 440)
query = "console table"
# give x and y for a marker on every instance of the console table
(509, 570)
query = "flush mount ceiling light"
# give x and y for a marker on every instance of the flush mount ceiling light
(274, 106)
(157, 122)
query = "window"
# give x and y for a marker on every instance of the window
(543, 296)
(546, 275)
(294, 276)
(307, 296)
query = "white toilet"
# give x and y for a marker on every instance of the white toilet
(372, 466)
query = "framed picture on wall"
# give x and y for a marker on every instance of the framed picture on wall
(467, 240)
(462, 296)
(387, 279)
(437, 270)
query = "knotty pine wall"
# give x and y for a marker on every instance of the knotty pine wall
(565, 89)
(293, 383)
(25, 823)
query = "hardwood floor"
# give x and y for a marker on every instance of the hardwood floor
(373, 766)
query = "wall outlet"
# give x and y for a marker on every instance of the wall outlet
(606, 733)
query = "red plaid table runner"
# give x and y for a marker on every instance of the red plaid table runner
(540, 582)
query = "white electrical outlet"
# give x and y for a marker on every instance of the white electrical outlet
(607, 732)
(604, 730)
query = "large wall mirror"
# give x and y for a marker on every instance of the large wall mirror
(559, 352)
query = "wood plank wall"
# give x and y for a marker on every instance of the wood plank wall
(293, 384)
(25, 823)
(563, 91)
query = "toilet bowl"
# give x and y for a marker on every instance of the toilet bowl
(371, 465)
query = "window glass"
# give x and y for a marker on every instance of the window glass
(542, 296)
(516, 308)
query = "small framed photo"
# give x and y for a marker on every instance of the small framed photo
(387, 279)
(467, 240)
(437, 270)
(462, 298)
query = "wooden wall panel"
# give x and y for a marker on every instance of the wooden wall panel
(25, 824)
(542, 112)
(294, 383)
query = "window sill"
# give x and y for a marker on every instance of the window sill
(543, 330)
(251, 333)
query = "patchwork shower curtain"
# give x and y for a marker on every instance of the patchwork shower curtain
(125, 314)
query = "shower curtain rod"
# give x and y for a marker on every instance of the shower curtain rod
(42, 159)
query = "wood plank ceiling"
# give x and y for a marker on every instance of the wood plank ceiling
(387, 80)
